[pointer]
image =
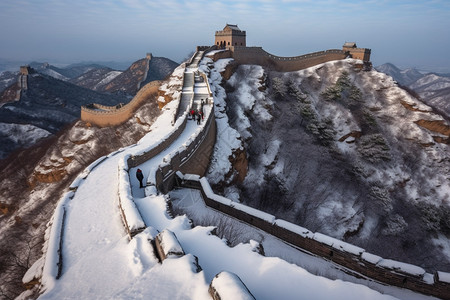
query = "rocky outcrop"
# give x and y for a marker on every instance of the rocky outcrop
(239, 164)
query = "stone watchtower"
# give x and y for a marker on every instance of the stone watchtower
(231, 35)
(25, 70)
(355, 52)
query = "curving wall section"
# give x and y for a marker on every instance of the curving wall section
(103, 116)
(355, 259)
(256, 55)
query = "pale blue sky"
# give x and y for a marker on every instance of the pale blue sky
(406, 33)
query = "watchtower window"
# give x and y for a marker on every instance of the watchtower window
(228, 43)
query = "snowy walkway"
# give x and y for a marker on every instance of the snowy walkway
(94, 231)
(189, 84)
(191, 127)
(190, 201)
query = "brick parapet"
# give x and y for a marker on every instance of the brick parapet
(257, 55)
(194, 155)
(111, 115)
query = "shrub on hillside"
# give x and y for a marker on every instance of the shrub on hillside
(380, 195)
(323, 130)
(278, 87)
(343, 90)
(395, 225)
(435, 218)
(373, 148)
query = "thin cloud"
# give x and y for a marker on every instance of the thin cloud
(175, 27)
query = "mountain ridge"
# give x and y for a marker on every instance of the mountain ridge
(59, 94)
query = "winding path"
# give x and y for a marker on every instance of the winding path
(93, 224)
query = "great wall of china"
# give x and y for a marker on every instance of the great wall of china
(102, 116)
(193, 157)
(257, 56)
(359, 262)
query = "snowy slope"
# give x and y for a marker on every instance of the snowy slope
(344, 155)
(435, 91)
(432, 88)
(19, 135)
(100, 261)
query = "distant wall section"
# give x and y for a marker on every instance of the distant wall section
(103, 116)
(257, 56)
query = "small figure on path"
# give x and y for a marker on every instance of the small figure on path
(198, 118)
(140, 177)
(192, 114)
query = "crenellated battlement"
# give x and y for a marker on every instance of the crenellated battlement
(102, 115)
(232, 39)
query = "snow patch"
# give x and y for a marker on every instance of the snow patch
(401, 267)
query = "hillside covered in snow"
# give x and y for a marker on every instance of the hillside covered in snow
(341, 151)
(337, 150)
(432, 88)
(105, 263)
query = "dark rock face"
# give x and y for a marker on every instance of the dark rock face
(129, 81)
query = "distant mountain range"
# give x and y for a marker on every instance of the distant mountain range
(431, 88)
(55, 95)
(13, 65)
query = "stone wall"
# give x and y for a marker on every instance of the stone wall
(355, 259)
(257, 56)
(104, 116)
(193, 158)
(193, 155)
(360, 53)
(222, 54)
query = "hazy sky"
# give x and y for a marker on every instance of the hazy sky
(406, 33)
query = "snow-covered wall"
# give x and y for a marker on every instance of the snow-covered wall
(354, 258)
(163, 177)
(179, 161)
(131, 217)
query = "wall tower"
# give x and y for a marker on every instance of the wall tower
(230, 36)
(355, 52)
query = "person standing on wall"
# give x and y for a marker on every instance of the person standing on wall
(140, 177)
